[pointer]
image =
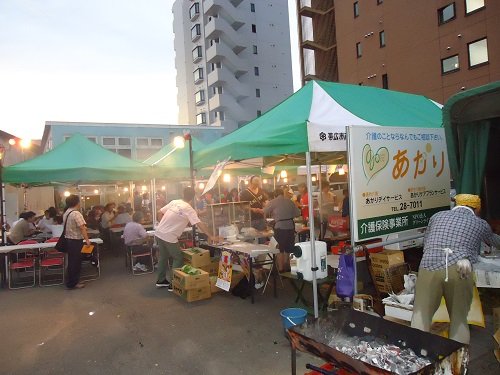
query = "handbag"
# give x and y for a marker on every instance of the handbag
(61, 242)
(345, 276)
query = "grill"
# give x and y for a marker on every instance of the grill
(323, 337)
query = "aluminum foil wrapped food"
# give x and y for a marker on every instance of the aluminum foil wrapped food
(396, 359)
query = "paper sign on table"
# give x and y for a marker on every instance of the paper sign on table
(225, 271)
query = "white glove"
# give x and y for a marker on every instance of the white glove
(464, 268)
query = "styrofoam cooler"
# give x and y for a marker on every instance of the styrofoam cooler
(304, 262)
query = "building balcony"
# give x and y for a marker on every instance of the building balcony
(220, 52)
(219, 28)
(227, 103)
(225, 78)
(226, 10)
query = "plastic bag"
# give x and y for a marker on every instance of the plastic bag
(345, 276)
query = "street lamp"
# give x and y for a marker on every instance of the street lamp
(2, 203)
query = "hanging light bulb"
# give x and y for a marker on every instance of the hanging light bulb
(313, 178)
(283, 174)
(67, 193)
(285, 180)
(246, 182)
(125, 189)
(201, 186)
(179, 142)
(96, 191)
(264, 181)
(163, 188)
(144, 188)
(227, 177)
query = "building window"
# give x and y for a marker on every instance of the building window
(201, 118)
(381, 38)
(124, 142)
(255, 50)
(199, 97)
(257, 93)
(259, 113)
(450, 64)
(195, 32)
(446, 14)
(92, 139)
(356, 9)
(473, 5)
(108, 141)
(385, 81)
(194, 11)
(359, 50)
(478, 53)
(127, 152)
(254, 28)
(142, 142)
(222, 116)
(252, 7)
(217, 90)
(197, 53)
(198, 75)
(157, 142)
(256, 70)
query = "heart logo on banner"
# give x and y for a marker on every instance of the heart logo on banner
(374, 162)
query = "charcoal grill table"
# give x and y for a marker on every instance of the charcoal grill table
(314, 337)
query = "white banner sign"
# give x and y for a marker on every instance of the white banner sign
(399, 177)
(215, 175)
(326, 138)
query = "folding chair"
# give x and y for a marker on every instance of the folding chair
(24, 263)
(51, 263)
(140, 251)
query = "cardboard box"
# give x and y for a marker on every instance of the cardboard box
(193, 295)
(387, 258)
(213, 288)
(187, 282)
(212, 268)
(398, 312)
(196, 257)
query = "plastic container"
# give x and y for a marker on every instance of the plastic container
(293, 316)
(304, 262)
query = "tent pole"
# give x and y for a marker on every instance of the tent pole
(153, 200)
(351, 219)
(314, 266)
(320, 203)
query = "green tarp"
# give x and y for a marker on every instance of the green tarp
(283, 129)
(467, 117)
(76, 160)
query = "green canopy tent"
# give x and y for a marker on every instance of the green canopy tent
(468, 118)
(295, 125)
(76, 160)
(314, 120)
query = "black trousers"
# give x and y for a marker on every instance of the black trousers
(74, 250)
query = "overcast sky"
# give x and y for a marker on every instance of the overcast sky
(89, 60)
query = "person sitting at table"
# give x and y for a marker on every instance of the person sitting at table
(58, 227)
(47, 220)
(107, 219)
(122, 216)
(283, 211)
(135, 236)
(94, 217)
(23, 228)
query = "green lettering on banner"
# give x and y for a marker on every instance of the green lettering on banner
(383, 225)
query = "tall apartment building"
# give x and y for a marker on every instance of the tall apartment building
(232, 58)
(435, 48)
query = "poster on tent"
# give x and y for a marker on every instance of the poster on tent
(399, 178)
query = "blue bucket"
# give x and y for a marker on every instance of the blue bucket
(293, 316)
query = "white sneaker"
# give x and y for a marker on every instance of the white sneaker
(142, 267)
(259, 285)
